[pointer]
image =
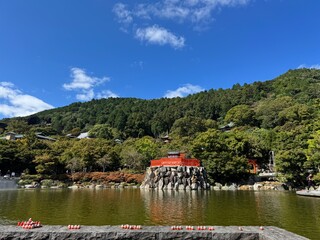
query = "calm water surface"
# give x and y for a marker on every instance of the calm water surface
(134, 206)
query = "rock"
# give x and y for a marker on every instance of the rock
(152, 175)
(194, 186)
(225, 187)
(257, 186)
(29, 186)
(233, 187)
(166, 181)
(244, 187)
(184, 181)
(148, 171)
(188, 171)
(177, 178)
(160, 184)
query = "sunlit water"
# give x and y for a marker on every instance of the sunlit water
(134, 206)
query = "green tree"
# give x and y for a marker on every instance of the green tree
(18, 126)
(290, 165)
(148, 149)
(313, 151)
(240, 115)
(131, 158)
(188, 126)
(9, 156)
(104, 162)
(75, 164)
(86, 152)
(101, 131)
(223, 163)
(290, 155)
(46, 164)
(267, 111)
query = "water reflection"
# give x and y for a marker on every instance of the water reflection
(145, 207)
(175, 207)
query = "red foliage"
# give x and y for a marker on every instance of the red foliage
(108, 177)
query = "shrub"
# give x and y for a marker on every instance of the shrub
(47, 183)
(31, 177)
(316, 179)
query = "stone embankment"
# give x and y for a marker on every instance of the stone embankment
(147, 232)
(266, 185)
(176, 178)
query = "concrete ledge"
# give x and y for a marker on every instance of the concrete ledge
(311, 193)
(147, 232)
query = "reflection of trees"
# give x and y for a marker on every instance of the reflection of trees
(300, 215)
(175, 207)
(267, 207)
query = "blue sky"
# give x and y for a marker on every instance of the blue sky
(56, 52)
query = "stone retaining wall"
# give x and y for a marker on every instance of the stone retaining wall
(147, 232)
(8, 183)
(177, 178)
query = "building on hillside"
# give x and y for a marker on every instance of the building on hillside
(43, 137)
(227, 127)
(166, 139)
(83, 135)
(14, 136)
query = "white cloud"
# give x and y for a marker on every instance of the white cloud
(84, 85)
(183, 91)
(198, 12)
(18, 104)
(160, 36)
(314, 66)
(86, 95)
(122, 13)
(107, 94)
(80, 80)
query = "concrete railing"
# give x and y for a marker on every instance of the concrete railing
(147, 232)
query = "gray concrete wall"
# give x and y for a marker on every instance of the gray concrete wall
(147, 232)
(6, 183)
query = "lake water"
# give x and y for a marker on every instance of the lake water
(134, 206)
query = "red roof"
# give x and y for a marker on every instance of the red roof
(175, 159)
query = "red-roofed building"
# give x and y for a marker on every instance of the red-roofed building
(175, 159)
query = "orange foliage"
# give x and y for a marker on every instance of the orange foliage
(107, 177)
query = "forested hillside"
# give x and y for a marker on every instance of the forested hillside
(280, 115)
